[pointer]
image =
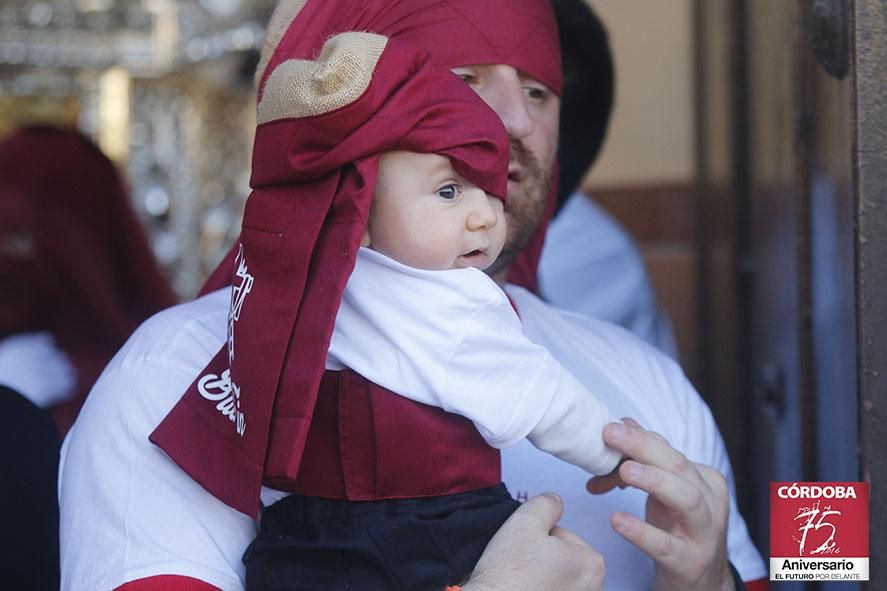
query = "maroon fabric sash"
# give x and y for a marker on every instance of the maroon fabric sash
(366, 443)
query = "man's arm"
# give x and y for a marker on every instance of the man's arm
(128, 512)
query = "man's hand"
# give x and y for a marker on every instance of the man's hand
(531, 552)
(685, 532)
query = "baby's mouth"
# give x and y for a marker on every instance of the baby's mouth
(474, 258)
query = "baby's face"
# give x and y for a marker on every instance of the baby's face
(427, 216)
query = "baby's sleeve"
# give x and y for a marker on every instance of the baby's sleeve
(512, 388)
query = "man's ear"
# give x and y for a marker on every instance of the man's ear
(365, 241)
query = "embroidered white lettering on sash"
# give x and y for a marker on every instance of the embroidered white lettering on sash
(224, 392)
(221, 389)
(239, 291)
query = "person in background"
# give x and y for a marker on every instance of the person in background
(589, 263)
(77, 272)
(77, 277)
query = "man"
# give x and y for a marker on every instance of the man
(590, 264)
(580, 342)
(155, 521)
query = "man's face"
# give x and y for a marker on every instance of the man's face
(530, 112)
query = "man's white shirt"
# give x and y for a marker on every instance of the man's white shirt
(634, 380)
(591, 265)
(129, 512)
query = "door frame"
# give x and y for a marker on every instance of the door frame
(869, 46)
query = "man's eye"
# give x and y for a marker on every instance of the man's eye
(449, 192)
(537, 94)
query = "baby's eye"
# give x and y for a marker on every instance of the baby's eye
(466, 75)
(448, 192)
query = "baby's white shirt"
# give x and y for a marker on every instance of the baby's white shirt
(451, 339)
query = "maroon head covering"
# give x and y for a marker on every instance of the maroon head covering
(322, 125)
(519, 33)
(74, 260)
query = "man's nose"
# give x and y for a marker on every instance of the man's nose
(482, 215)
(506, 96)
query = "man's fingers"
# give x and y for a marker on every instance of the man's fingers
(589, 562)
(662, 547)
(539, 514)
(566, 535)
(682, 498)
(651, 449)
(631, 422)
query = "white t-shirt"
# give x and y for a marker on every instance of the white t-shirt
(634, 380)
(591, 265)
(129, 512)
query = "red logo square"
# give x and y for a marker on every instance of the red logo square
(819, 530)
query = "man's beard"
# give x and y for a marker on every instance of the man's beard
(525, 206)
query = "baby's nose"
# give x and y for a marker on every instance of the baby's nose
(482, 215)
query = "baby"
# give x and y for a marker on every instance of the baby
(379, 179)
(420, 318)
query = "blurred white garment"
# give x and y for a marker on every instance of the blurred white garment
(34, 366)
(591, 265)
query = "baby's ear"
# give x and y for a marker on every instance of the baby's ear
(365, 241)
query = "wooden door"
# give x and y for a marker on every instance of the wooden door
(792, 142)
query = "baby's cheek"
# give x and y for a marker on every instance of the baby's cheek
(500, 233)
(429, 255)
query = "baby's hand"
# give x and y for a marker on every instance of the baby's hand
(598, 485)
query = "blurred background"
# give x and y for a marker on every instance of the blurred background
(746, 157)
(164, 88)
